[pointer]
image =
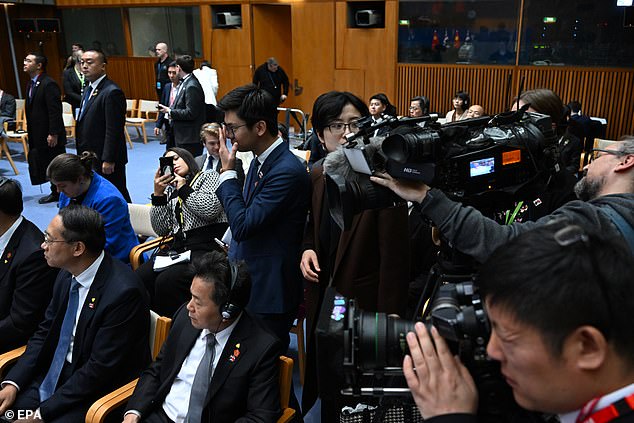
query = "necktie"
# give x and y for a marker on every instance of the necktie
(172, 96)
(210, 163)
(50, 381)
(252, 178)
(84, 103)
(201, 383)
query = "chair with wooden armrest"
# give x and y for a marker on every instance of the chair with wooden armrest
(100, 409)
(136, 254)
(286, 377)
(9, 358)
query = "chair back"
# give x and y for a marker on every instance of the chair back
(159, 329)
(20, 103)
(130, 108)
(148, 108)
(68, 120)
(286, 376)
(67, 108)
(140, 219)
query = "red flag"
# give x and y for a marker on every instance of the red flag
(456, 40)
(434, 40)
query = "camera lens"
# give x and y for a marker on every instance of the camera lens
(382, 340)
(412, 147)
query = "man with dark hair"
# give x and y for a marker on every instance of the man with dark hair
(606, 202)
(270, 77)
(47, 135)
(418, 106)
(101, 122)
(187, 114)
(266, 218)
(218, 363)
(94, 337)
(25, 278)
(168, 96)
(161, 68)
(565, 348)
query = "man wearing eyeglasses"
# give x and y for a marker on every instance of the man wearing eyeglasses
(94, 336)
(566, 348)
(606, 202)
(267, 217)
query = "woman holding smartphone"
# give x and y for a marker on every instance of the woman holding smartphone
(184, 205)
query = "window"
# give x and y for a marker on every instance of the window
(95, 28)
(578, 33)
(457, 31)
(179, 27)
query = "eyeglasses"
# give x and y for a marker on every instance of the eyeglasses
(338, 128)
(231, 130)
(49, 241)
(596, 153)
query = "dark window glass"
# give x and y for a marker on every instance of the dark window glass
(95, 28)
(179, 27)
(457, 31)
(579, 33)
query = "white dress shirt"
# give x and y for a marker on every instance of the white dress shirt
(176, 402)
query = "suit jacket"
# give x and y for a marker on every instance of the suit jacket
(111, 344)
(44, 117)
(200, 161)
(267, 229)
(72, 88)
(165, 101)
(7, 105)
(26, 284)
(188, 112)
(108, 201)
(243, 390)
(101, 127)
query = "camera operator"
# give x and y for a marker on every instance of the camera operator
(565, 348)
(606, 202)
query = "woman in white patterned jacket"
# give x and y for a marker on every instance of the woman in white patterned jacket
(184, 205)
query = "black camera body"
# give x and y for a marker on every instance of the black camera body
(480, 162)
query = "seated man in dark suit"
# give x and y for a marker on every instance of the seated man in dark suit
(210, 138)
(212, 339)
(26, 281)
(94, 337)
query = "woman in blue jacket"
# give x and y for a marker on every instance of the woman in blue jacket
(77, 183)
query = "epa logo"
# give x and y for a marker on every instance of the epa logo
(23, 414)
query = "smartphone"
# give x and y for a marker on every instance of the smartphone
(166, 166)
(222, 244)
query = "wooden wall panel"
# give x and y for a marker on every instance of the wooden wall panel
(370, 49)
(231, 53)
(313, 26)
(602, 92)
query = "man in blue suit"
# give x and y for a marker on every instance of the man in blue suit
(94, 336)
(266, 218)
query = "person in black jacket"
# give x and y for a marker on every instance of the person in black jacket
(101, 122)
(74, 82)
(270, 77)
(25, 278)
(566, 347)
(47, 135)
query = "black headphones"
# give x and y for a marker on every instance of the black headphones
(229, 310)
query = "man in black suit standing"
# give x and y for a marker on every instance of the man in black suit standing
(101, 122)
(187, 114)
(94, 336)
(218, 363)
(167, 97)
(47, 135)
(210, 159)
(25, 278)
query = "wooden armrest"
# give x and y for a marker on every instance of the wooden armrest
(287, 415)
(102, 407)
(10, 357)
(137, 252)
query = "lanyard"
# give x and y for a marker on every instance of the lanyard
(619, 408)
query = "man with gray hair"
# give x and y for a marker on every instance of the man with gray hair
(270, 77)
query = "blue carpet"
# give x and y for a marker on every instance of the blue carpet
(142, 164)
